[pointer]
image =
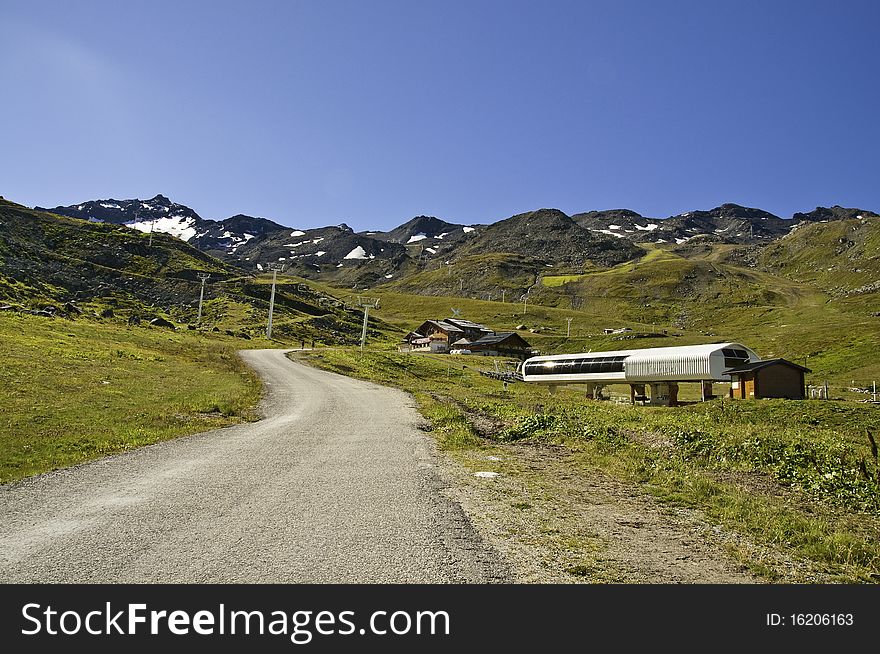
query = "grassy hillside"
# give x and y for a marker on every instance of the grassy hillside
(483, 275)
(50, 252)
(74, 390)
(48, 260)
(841, 257)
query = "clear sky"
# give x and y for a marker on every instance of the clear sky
(319, 112)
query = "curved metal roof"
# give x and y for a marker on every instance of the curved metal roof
(678, 363)
(654, 353)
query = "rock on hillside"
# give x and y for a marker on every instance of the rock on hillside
(552, 236)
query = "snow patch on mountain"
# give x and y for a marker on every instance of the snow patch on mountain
(179, 226)
(357, 253)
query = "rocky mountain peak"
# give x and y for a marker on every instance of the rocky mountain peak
(835, 212)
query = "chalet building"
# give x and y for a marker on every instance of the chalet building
(440, 336)
(432, 336)
(504, 344)
(767, 379)
(435, 343)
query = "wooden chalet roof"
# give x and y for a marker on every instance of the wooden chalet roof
(757, 365)
(500, 337)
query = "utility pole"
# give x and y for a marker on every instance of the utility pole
(367, 303)
(204, 277)
(460, 285)
(152, 223)
(274, 267)
(503, 291)
(525, 297)
(568, 328)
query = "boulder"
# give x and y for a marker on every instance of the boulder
(107, 313)
(161, 322)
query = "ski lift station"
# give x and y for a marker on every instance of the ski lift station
(661, 369)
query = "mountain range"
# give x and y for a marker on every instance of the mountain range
(547, 237)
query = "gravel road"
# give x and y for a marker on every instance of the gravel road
(335, 484)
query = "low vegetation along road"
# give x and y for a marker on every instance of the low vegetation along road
(335, 484)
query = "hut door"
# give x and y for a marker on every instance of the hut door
(749, 388)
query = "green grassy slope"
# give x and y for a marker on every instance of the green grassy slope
(841, 257)
(42, 249)
(47, 259)
(482, 275)
(74, 390)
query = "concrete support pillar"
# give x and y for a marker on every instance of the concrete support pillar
(659, 394)
(706, 390)
(636, 390)
(590, 391)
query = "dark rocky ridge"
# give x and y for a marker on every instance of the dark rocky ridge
(552, 236)
(162, 215)
(833, 213)
(728, 223)
(429, 235)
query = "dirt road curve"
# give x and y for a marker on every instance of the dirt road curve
(337, 484)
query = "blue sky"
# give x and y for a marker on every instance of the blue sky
(314, 113)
